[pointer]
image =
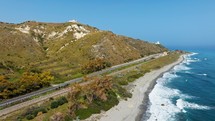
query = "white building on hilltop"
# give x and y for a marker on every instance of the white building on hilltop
(73, 21)
(157, 43)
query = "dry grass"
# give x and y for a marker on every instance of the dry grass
(19, 50)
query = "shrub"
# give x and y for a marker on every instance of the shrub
(95, 65)
(28, 82)
(68, 118)
(134, 77)
(123, 82)
(29, 117)
(54, 104)
(63, 100)
(157, 67)
(35, 70)
(97, 105)
(82, 97)
(19, 118)
(145, 71)
(59, 102)
(33, 111)
(122, 92)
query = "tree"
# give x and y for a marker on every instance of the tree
(3, 83)
(95, 65)
(4, 87)
(28, 82)
(81, 96)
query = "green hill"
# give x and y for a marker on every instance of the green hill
(63, 48)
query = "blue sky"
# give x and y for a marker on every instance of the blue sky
(175, 23)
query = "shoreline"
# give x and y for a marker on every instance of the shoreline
(134, 108)
(142, 112)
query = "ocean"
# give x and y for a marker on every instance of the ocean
(186, 92)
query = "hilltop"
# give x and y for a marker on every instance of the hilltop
(63, 48)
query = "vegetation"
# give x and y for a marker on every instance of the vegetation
(95, 65)
(127, 77)
(99, 93)
(57, 117)
(59, 102)
(96, 94)
(32, 112)
(28, 82)
(97, 105)
(38, 50)
(80, 97)
(36, 112)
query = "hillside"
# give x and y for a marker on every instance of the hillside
(63, 48)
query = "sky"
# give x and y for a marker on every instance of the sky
(175, 23)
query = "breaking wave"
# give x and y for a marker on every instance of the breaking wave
(161, 107)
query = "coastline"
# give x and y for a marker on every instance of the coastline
(145, 102)
(134, 108)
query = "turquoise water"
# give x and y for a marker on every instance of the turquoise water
(187, 92)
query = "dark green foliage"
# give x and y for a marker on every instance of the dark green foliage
(59, 102)
(98, 105)
(123, 82)
(63, 100)
(54, 104)
(112, 101)
(68, 118)
(134, 77)
(32, 112)
(18, 118)
(85, 113)
(29, 117)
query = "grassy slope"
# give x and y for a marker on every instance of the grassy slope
(121, 80)
(18, 49)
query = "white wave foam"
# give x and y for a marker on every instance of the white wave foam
(188, 72)
(181, 104)
(193, 53)
(162, 108)
(193, 60)
(188, 59)
(181, 67)
(202, 74)
(169, 75)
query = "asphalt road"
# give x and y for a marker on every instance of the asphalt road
(42, 91)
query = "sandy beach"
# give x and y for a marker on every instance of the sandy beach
(133, 108)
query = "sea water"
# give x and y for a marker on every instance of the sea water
(186, 92)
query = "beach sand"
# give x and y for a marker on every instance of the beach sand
(133, 108)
